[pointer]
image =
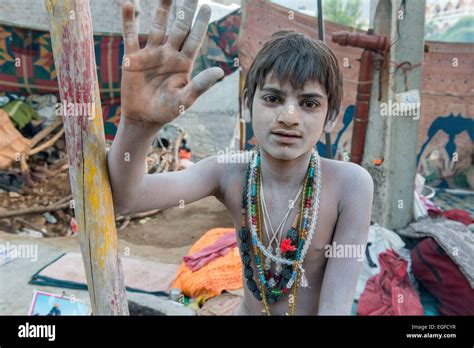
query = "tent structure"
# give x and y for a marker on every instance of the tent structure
(38, 73)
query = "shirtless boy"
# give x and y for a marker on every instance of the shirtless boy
(293, 94)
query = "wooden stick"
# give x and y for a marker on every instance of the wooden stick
(138, 215)
(34, 210)
(65, 199)
(35, 140)
(177, 144)
(163, 163)
(125, 223)
(33, 226)
(53, 173)
(44, 133)
(73, 48)
(167, 164)
(46, 144)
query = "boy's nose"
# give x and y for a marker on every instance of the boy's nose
(289, 115)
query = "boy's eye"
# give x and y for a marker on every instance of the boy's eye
(271, 99)
(310, 104)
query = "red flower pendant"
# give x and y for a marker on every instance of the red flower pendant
(286, 246)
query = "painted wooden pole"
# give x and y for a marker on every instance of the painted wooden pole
(73, 49)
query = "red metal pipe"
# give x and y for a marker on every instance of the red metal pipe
(362, 106)
(370, 43)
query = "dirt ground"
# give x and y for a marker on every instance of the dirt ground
(172, 228)
(44, 193)
(178, 227)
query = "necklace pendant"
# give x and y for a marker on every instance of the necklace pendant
(272, 282)
(303, 281)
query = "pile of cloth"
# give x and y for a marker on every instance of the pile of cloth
(211, 273)
(453, 204)
(385, 286)
(443, 262)
(428, 272)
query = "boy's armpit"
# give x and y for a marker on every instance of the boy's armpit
(172, 189)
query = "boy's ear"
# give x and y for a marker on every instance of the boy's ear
(330, 123)
(245, 110)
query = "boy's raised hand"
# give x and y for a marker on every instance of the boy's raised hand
(156, 85)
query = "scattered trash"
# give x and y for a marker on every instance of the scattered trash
(4, 101)
(174, 294)
(13, 194)
(45, 106)
(7, 254)
(73, 226)
(20, 113)
(12, 142)
(143, 221)
(419, 208)
(50, 218)
(10, 182)
(28, 163)
(29, 232)
(170, 151)
(8, 97)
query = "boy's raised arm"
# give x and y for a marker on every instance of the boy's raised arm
(155, 89)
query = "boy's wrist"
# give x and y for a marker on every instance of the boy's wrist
(141, 125)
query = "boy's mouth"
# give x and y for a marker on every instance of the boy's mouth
(286, 136)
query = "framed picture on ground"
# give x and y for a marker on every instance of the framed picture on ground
(48, 304)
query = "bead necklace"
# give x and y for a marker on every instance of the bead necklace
(276, 235)
(257, 237)
(298, 235)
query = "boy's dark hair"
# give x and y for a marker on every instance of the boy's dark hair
(295, 57)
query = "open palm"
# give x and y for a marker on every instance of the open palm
(156, 80)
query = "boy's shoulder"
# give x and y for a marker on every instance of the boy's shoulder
(235, 158)
(352, 181)
(346, 171)
(231, 166)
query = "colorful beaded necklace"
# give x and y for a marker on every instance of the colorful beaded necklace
(294, 247)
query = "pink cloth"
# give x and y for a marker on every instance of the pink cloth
(432, 209)
(219, 248)
(390, 292)
(459, 215)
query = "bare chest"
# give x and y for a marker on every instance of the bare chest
(307, 299)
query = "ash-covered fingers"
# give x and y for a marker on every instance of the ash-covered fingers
(198, 32)
(200, 84)
(182, 24)
(159, 23)
(130, 36)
